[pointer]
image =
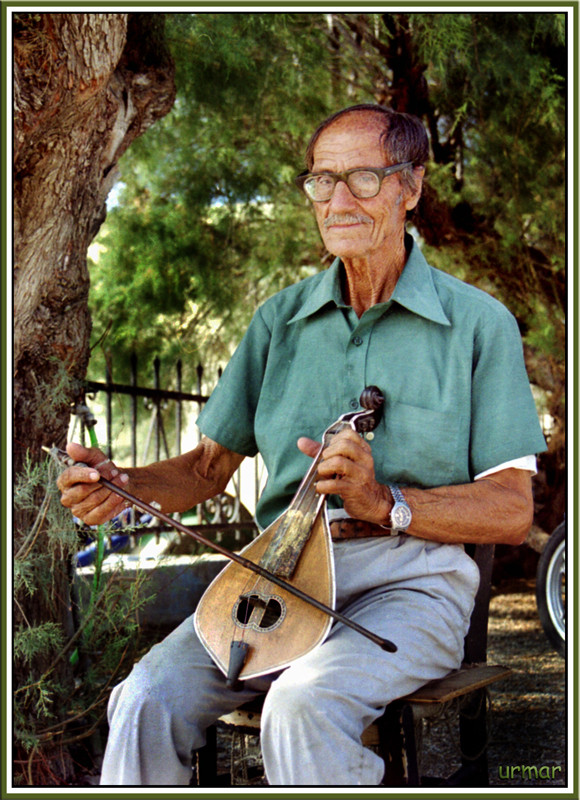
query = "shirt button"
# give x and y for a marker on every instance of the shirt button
(357, 341)
(354, 403)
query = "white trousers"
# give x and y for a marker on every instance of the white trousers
(418, 594)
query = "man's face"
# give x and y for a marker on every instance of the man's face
(353, 228)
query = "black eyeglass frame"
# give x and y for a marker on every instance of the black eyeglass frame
(380, 172)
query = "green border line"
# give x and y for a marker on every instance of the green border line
(572, 791)
(557, 7)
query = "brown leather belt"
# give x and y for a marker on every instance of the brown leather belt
(357, 529)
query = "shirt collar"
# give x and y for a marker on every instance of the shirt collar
(326, 290)
(415, 290)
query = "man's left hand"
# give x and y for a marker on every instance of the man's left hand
(347, 469)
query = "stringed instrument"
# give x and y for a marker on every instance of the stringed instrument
(249, 625)
(252, 626)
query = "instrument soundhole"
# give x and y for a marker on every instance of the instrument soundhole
(258, 611)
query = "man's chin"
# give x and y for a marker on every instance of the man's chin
(347, 241)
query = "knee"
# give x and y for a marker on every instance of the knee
(294, 698)
(143, 692)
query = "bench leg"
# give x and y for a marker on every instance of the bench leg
(398, 746)
(204, 761)
(473, 739)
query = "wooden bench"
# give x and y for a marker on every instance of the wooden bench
(463, 692)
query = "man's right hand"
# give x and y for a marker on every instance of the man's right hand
(80, 491)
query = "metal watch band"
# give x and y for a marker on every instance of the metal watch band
(398, 495)
(400, 513)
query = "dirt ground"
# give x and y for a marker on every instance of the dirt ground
(528, 709)
(528, 714)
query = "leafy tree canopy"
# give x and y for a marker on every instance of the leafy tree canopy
(208, 221)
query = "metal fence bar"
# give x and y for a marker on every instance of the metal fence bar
(109, 413)
(157, 406)
(178, 410)
(141, 391)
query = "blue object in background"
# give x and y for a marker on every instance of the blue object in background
(114, 543)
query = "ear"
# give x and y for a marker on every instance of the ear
(412, 196)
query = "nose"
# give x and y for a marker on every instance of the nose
(342, 197)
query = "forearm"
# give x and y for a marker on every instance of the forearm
(494, 510)
(176, 484)
(183, 482)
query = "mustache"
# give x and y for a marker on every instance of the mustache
(346, 219)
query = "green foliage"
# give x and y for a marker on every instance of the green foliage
(208, 213)
(29, 643)
(57, 703)
(501, 104)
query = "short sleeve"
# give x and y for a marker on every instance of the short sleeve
(504, 419)
(228, 416)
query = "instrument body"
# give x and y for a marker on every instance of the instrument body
(288, 628)
(248, 625)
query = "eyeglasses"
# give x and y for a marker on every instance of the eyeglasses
(363, 182)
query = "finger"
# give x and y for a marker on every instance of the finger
(331, 486)
(76, 475)
(348, 444)
(75, 491)
(110, 506)
(91, 456)
(338, 466)
(354, 450)
(93, 504)
(308, 446)
(94, 457)
(347, 434)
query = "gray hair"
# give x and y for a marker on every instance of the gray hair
(403, 137)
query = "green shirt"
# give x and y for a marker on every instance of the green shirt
(447, 357)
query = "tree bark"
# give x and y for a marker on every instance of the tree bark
(85, 86)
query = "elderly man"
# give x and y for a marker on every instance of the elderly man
(454, 451)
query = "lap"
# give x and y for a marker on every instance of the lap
(348, 668)
(405, 594)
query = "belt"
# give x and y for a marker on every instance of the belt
(358, 529)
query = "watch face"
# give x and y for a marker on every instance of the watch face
(401, 517)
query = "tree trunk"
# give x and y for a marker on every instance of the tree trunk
(85, 86)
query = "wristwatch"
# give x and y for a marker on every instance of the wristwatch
(401, 515)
